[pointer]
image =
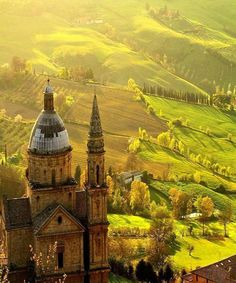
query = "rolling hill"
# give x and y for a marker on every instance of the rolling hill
(123, 40)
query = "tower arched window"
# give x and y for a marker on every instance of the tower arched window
(97, 174)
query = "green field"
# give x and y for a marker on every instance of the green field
(131, 221)
(215, 247)
(214, 146)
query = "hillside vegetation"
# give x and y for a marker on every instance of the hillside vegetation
(206, 135)
(155, 41)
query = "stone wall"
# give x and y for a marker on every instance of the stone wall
(49, 170)
(97, 212)
(100, 276)
(98, 246)
(41, 198)
(72, 247)
(18, 242)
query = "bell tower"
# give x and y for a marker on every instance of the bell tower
(96, 192)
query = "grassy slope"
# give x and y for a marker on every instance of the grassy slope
(53, 44)
(159, 192)
(131, 221)
(51, 36)
(215, 147)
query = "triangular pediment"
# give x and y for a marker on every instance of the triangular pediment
(56, 220)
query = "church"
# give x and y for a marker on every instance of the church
(55, 212)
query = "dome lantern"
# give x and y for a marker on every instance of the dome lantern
(48, 97)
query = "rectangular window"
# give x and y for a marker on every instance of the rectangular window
(60, 260)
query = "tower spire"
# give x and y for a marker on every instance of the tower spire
(95, 130)
(48, 97)
(95, 137)
(95, 148)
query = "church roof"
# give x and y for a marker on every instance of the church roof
(49, 135)
(222, 271)
(41, 219)
(17, 213)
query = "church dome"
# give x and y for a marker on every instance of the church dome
(49, 135)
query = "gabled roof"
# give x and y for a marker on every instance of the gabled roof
(223, 271)
(44, 217)
(17, 213)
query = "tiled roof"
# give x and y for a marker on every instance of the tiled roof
(17, 213)
(188, 277)
(223, 271)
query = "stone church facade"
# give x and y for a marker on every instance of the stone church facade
(56, 210)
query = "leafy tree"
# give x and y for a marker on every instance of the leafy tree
(225, 216)
(78, 174)
(111, 185)
(161, 231)
(130, 272)
(180, 202)
(190, 249)
(110, 171)
(173, 144)
(139, 196)
(153, 209)
(197, 177)
(205, 207)
(168, 273)
(164, 139)
(140, 271)
(117, 200)
(151, 274)
(161, 274)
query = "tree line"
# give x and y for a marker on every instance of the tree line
(220, 98)
(189, 97)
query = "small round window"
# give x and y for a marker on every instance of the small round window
(59, 220)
